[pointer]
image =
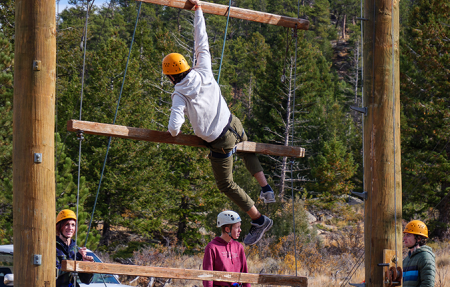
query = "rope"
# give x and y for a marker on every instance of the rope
(293, 132)
(355, 267)
(393, 128)
(371, 128)
(224, 41)
(80, 136)
(361, 258)
(115, 117)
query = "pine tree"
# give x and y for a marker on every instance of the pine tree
(6, 134)
(425, 133)
(67, 192)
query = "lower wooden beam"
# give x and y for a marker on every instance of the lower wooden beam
(165, 137)
(239, 13)
(177, 273)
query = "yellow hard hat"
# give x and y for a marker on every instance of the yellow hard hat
(174, 63)
(416, 227)
(65, 214)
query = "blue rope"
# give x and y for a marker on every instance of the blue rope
(115, 117)
(224, 41)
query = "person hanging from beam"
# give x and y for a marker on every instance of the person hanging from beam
(197, 94)
(67, 249)
(419, 267)
(224, 253)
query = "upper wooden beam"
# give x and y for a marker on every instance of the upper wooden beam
(181, 139)
(177, 273)
(239, 13)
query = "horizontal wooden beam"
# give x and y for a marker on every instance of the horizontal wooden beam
(165, 137)
(239, 13)
(177, 273)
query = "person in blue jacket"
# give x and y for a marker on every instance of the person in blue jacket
(67, 249)
(419, 266)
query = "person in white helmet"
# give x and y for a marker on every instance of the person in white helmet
(224, 253)
(197, 96)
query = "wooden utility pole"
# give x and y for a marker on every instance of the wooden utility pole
(34, 122)
(383, 207)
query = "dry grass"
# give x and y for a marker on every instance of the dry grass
(325, 266)
(332, 259)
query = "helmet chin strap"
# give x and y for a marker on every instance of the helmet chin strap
(62, 234)
(229, 234)
(415, 245)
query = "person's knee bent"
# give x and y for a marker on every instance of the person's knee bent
(226, 185)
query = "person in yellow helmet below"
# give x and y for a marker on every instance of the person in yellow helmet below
(419, 267)
(67, 249)
(197, 95)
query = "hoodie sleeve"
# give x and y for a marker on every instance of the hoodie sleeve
(208, 264)
(176, 115)
(202, 53)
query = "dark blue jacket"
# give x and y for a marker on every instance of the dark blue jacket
(64, 252)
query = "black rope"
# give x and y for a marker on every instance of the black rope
(115, 117)
(355, 267)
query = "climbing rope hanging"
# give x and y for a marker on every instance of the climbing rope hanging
(292, 141)
(224, 41)
(114, 121)
(361, 254)
(393, 128)
(80, 134)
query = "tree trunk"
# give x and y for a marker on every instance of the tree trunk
(344, 23)
(182, 221)
(287, 130)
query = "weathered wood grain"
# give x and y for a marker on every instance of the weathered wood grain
(34, 133)
(165, 137)
(189, 274)
(240, 13)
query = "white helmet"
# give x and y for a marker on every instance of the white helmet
(227, 217)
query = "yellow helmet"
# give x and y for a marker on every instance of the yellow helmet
(416, 227)
(65, 214)
(174, 63)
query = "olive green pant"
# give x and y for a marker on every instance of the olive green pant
(223, 167)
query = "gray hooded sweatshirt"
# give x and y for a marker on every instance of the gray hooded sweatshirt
(198, 94)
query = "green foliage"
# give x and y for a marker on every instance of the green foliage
(332, 170)
(68, 194)
(6, 133)
(425, 126)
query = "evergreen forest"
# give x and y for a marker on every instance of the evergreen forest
(288, 88)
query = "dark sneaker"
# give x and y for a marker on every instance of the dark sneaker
(269, 196)
(257, 231)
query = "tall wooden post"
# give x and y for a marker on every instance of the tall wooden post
(34, 122)
(383, 207)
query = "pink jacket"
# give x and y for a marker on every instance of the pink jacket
(224, 256)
